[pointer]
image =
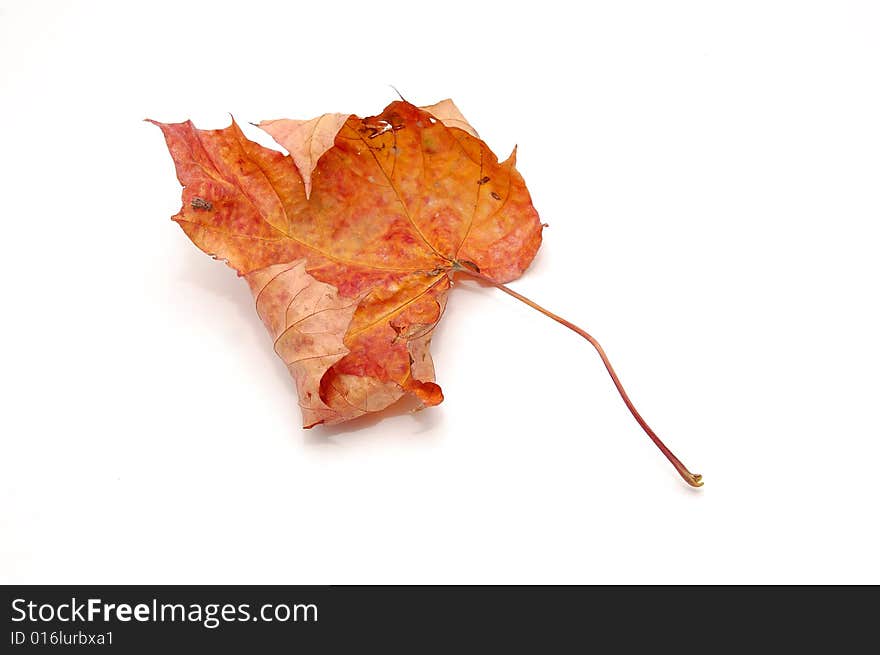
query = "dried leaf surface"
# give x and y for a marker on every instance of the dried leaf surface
(306, 141)
(449, 114)
(352, 279)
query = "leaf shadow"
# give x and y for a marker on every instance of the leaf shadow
(426, 421)
(221, 281)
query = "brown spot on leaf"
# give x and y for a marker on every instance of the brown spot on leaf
(200, 204)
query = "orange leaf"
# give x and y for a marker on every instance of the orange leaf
(351, 244)
(351, 276)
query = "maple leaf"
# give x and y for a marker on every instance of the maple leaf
(350, 245)
(366, 259)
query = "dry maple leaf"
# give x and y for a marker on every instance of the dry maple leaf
(351, 244)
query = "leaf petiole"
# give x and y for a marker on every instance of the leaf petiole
(693, 479)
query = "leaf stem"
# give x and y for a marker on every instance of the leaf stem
(693, 479)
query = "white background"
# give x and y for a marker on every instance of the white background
(711, 176)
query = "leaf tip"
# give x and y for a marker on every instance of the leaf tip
(511, 159)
